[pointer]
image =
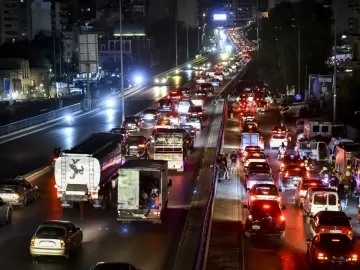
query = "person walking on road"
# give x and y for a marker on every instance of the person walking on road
(233, 160)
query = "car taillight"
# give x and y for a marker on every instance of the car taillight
(199, 112)
(349, 232)
(250, 217)
(282, 218)
(302, 193)
(141, 145)
(32, 242)
(321, 256)
(282, 164)
(62, 243)
(302, 164)
(278, 199)
(353, 258)
(252, 198)
(192, 131)
(287, 174)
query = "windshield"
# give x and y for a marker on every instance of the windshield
(256, 156)
(193, 119)
(50, 231)
(263, 208)
(195, 109)
(132, 139)
(297, 172)
(307, 185)
(259, 166)
(334, 221)
(266, 191)
(338, 242)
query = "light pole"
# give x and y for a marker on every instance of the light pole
(299, 56)
(335, 71)
(176, 41)
(187, 41)
(257, 25)
(121, 65)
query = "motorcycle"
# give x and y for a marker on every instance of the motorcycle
(343, 204)
(281, 153)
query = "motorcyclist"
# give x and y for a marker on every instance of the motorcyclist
(325, 175)
(282, 150)
(343, 196)
(233, 159)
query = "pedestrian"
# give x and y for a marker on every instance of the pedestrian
(233, 159)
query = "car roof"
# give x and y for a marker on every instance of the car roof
(331, 214)
(323, 190)
(56, 223)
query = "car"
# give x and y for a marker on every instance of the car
(259, 166)
(254, 157)
(327, 249)
(185, 91)
(320, 199)
(165, 105)
(114, 266)
(215, 82)
(56, 238)
(276, 140)
(302, 189)
(257, 177)
(135, 146)
(150, 115)
(250, 127)
(291, 160)
(163, 123)
(190, 129)
(200, 93)
(262, 106)
(194, 121)
(219, 76)
(160, 81)
(196, 111)
(184, 106)
(331, 222)
(248, 115)
(208, 88)
(174, 117)
(197, 101)
(250, 149)
(263, 192)
(18, 192)
(6, 212)
(175, 95)
(132, 123)
(291, 176)
(121, 131)
(265, 217)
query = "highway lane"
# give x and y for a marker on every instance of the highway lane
(27, 153)
(147, 246)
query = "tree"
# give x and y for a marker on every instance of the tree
(280, 38)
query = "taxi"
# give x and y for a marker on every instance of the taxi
(264, 192)
(174, 117)
(303, 187)
(290, 160)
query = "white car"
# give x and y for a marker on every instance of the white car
(197, 102)
(254, 157)
(258, 178)
(195, 122)
(210, 73)
(269, 99)
(184, 106)
(160, 81)
(277, 139)
(219, 76)
(56, 238)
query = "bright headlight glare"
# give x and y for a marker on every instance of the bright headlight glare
(68, 117)
(156, 80)
(110, 103)
(163, 80)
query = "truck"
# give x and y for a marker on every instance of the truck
(344, 154)
(251, 139)
(83, 173)
(171, 145)
(142, 191)
(313, 129)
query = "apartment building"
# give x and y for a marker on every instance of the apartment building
(9, 21)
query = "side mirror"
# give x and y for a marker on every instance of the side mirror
(308, 240)
(170, 183)
(245, 206)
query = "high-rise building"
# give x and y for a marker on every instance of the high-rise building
(9, 20)
(40, 18)
(273, 3)
(60, 14)
(188, 12)
(354, 30)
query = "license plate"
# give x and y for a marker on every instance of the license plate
(256, 227)
(138, 215)
(194, 114)
(335, 231)
(132, 147)
(47, 244)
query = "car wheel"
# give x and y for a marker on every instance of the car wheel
(9, 217)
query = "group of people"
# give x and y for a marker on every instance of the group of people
(222, 165)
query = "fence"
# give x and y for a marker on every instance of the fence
(57, 114)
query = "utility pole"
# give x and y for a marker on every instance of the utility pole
(299, 56)
(335, 71)
(257, 25)
(54, 67)
(121, 65)
(187, 41)
(176, 40)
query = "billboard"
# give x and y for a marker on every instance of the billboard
(6, 85)
(88, 53)
(128, 190)
(220, 17)
(320, 85)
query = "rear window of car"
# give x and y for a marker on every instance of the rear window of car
(332, 199)
(306, 186)
(278, 136)
(254, 155)
(184, 103)
(195, 109)
(50, 231)
(258, 166)
(266, 191)
(336, 221)
(320, 199)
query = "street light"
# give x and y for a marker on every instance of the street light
(121, 65)
(335, 71)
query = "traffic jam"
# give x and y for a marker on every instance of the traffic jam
(314, 170)
(131, 161)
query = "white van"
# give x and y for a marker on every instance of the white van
(258, 178)
(320, 199)
(316, 150)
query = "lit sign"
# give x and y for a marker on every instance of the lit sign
(220, 17)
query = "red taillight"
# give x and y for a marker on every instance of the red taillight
(252, 198)
(321, 256)
(141, 145)
(266, 206)
(287, 174)
(200, 113)
(353, 258)
(278, 199)
(192, 131)
(282, 218)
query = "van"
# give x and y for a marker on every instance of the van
(316, 150)
(320, 199)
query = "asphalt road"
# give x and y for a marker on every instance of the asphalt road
(19, 156)
(147, 246)
(270, 253)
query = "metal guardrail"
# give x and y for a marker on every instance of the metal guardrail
(57, 114)
(204, 242)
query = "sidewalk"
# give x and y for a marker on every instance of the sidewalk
(226, 246)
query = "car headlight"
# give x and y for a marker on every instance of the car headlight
(163, 80)
(68, 117)
(156, 80)
(110, 103)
